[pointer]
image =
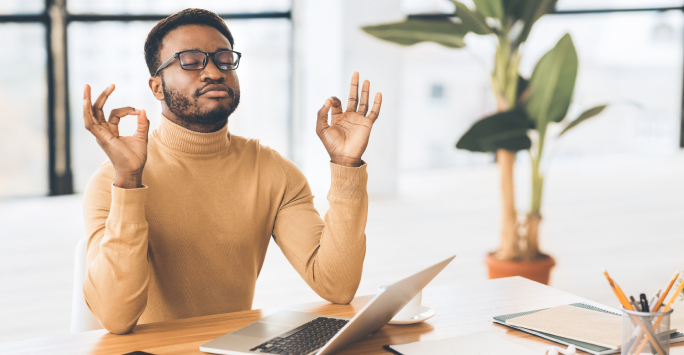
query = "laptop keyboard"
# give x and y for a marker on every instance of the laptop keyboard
(303, 339)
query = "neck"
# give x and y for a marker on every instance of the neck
(200, 127)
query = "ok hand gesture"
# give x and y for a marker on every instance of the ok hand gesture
(127, 154)
(347, 137)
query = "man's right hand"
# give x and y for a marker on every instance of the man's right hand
(127, 154)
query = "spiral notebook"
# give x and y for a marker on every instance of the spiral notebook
(584, 346)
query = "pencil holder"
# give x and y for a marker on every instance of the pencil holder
(646, 332)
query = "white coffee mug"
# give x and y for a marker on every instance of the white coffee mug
(411, 309)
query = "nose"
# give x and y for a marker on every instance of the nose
(211, 72)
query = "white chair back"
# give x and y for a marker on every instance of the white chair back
(82, 319)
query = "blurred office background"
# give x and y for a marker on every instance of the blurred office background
(614, 196)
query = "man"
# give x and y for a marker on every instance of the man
(179, 221)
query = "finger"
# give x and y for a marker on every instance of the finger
(143, 126)
(363, 107)
(118, 113)
(87, 115)
(336, 106)
(353, 93)
(322, 121)
(88, 118)
(86, 92)
(375, 111)
(101, 133)
(99, 103)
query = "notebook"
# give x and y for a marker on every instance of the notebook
(581, 345)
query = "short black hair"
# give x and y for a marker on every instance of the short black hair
(153, 43)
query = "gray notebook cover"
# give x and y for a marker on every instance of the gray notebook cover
(590, 348)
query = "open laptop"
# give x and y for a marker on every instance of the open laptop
(302, 333)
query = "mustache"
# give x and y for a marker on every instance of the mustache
(198, 92)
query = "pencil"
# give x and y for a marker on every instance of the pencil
(618, 292)
(667, 290)
(667, 308)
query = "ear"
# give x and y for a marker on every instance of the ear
(156, 87)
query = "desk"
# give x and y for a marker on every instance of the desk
(461, 309)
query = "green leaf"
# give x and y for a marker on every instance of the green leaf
(472, 21)
(412, 31)
(490, 8)
(583, 117)
(530, 12)
(552, 84)
(515, 9)
(503, 130)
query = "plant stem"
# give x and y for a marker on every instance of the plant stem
(509, 248)
(537, 175)
(505, 87)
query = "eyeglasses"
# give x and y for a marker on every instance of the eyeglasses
(197, 60)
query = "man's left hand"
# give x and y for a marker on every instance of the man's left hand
(347, 137)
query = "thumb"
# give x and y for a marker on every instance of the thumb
(322, 121)
(143, 126)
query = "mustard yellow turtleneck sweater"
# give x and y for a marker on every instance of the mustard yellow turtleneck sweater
(193, 240)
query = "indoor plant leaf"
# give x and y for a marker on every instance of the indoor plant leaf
(515, 9)
(552, 83)
(583, 117)
(490, 8)
(503, 130)
(412, 31)
(529, 11)
(472, 21)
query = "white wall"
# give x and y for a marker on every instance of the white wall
(329, 46)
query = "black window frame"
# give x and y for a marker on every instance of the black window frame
(56, 19)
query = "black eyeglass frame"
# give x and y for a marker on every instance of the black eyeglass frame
(204, 63)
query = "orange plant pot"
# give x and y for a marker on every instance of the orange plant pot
(539, 270)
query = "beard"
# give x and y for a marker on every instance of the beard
(187, 109)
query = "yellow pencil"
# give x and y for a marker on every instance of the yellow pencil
(664, 294)
(618, 292)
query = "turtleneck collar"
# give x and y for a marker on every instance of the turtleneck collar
(187, 141)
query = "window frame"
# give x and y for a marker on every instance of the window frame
(56, 19)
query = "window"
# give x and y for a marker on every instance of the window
(45, 154)
(629, 58)
(23, 96)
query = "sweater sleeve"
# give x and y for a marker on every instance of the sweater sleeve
(329, 253)
(115, 287)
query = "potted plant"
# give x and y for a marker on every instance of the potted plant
(524, 110)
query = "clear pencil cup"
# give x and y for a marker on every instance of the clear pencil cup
(646, 332)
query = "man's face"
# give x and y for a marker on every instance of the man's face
(198, 96)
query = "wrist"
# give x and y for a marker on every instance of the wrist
(346, 161)
(128, 181)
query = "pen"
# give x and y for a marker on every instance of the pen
(644, 302)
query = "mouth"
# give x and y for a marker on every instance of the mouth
(216, 91)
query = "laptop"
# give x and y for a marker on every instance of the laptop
(302, 333)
